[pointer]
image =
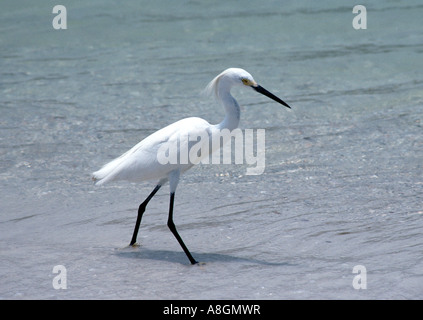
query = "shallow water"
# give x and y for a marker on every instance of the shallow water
(343, 184)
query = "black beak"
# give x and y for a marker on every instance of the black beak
(270, 95)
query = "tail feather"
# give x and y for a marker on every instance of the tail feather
(109, 171)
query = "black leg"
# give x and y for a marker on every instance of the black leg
(141, 210)
(172, 228)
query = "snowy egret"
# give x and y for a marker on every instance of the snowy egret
(141, 162)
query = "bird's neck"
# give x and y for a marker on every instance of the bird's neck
(232, 116)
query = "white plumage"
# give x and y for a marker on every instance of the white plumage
(142, 161)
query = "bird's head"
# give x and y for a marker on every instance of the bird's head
(240, 77)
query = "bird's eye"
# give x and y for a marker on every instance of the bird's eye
(245, 81)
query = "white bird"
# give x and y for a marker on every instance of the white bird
(142, 161)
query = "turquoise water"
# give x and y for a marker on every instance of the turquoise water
(343, 184)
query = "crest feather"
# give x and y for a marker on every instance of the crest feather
(211, 88)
